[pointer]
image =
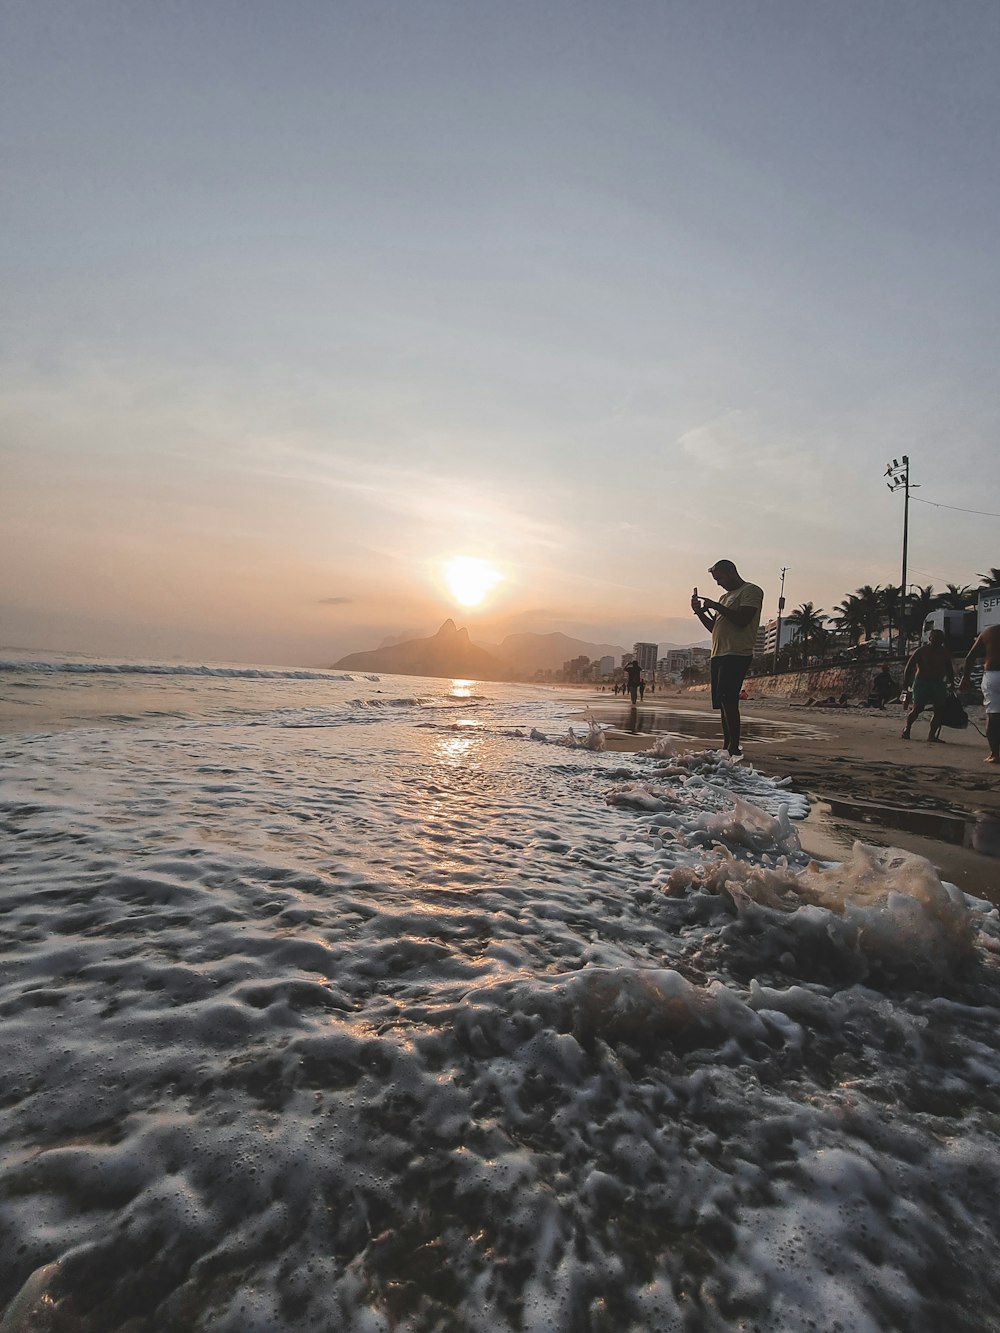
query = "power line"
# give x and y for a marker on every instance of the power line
(984, 513)
(931, 574)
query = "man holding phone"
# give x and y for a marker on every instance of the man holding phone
(733, 622)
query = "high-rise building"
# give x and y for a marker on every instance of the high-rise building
(646, 654)
(788, 633)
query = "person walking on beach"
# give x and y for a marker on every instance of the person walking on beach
(733, 622)
(988, 643)
(633, 674)
(932, 675)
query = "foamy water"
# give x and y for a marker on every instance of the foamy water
(392, 1004)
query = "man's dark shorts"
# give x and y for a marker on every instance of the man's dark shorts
(728, 674)
(929, 693)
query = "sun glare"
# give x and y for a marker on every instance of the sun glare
(470, 580)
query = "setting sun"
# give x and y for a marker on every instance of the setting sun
(470, 580)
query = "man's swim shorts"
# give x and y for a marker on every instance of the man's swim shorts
(929, 693)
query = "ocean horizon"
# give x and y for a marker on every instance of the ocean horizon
(340, 1001)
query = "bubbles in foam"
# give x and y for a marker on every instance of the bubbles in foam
(350, 1035)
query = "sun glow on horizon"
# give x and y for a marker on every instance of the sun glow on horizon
(470, 580)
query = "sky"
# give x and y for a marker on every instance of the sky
(303, 300)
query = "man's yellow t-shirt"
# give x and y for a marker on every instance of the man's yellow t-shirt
(729, 639)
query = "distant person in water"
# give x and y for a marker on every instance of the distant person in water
(988, 643)
(642, 687)
(633, 674)
(733, 621)
(932, 675)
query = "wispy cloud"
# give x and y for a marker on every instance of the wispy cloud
(336, 601)
(459, 508)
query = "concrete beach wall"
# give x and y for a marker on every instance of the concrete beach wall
(854, 681)
(821, 683)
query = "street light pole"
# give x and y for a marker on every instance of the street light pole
(781, 607)
(898, 471)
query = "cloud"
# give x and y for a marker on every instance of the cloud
(335, 601)
(724, 441)
(442, 501)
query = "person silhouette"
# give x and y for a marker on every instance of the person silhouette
(733, 622)
(633, 676)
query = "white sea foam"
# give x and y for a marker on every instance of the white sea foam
(413, 1021)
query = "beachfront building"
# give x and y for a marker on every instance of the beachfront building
(577, 670)
(606, 667)
(789, 633)
(678, 661)
(646, 654)
(675, 661)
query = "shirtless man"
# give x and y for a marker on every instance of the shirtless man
(931, 673)
(988, 643)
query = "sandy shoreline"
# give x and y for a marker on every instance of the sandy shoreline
(867, 782)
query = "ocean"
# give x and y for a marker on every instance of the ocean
(381, 1003)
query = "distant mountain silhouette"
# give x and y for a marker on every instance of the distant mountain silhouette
(447, 653)
(450, 652)
(392, 639)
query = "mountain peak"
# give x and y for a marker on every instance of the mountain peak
(449, 652)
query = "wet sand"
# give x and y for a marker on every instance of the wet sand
(941, 801)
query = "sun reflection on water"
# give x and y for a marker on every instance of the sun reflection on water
(455, 751)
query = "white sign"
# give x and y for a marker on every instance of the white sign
(989, 608)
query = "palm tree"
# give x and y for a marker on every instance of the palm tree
(991, 579)
(891, 608)
(849, 618)
(790, 656)
(957, 599)
(871, 608)
(820, 641)
(919, 605)
(809, 623)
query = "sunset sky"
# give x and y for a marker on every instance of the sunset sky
(303, 300)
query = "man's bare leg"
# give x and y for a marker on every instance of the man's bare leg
(730, 711)
(936, 724)
(993, 736)
(724, 718)
(911, 717)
